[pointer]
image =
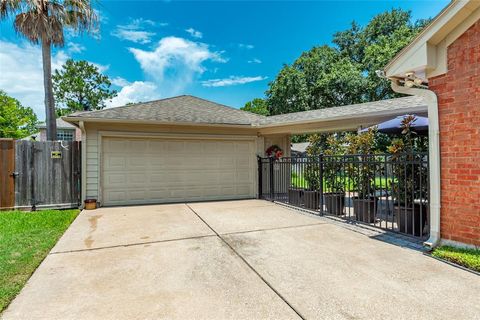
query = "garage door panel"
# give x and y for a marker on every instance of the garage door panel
(243, 147)
(115, 178)
(139, 171)
(243, 189)
(175, 146)
(137, 145)
(116, 146)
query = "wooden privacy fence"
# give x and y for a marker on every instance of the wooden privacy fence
(38, 174)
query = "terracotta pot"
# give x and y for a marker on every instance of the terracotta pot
(90, 204)
(335, 202)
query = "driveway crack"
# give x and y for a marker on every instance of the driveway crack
(248, 264)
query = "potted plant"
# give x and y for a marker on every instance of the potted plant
(362, 174)
(409, 193)
(334, 194)
(295, 192)
(311, 195)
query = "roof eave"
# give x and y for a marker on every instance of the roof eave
(426, 53)
(154, 122)
(389, 112)
(394, 112)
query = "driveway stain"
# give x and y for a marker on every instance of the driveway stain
(93, 226)
(93, 222)
(88, 242)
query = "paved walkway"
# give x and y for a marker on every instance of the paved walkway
(246, 259)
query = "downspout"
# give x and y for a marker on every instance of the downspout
(84, 161)
(433, 156)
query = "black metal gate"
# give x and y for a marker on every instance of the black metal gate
(383, 190)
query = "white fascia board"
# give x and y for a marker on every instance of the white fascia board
(421, 54)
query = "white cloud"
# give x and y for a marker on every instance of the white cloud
(137, 36)
(120, 82)
(175, 62)
(245, 46)
(21, 73)
(255, 60)
(73, 47)
(194, 33)
(231, 81)
(137, 91)
(136, 31)
(101, 67)
(140, 23)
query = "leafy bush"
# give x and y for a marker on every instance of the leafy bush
(360, 168)
(469, 258)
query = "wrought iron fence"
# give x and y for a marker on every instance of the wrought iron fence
(389, 191)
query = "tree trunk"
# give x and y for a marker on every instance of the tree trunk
(47, 84)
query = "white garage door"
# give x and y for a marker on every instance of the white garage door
(137, 171)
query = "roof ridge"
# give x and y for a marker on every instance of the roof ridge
(133, 104)
(224, 105)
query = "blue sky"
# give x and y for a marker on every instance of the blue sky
(223, 51)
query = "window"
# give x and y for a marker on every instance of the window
(65, 135)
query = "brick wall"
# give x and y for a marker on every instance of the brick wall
(458, 94)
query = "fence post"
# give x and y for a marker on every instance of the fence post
(7, 174)
(260, 170)
(320, 177)
(33, 201)
(272, 191)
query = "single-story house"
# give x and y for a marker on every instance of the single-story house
(446, 58)
(189, 149)
(65, 131)
(186, 148)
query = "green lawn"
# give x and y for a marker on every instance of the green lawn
(469, 258)
(298, 181)
(25, 240)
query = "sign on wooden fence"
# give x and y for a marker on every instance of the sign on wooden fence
(45, 174)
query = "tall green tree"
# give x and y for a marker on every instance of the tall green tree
(374, 45)
(258, 106)
(319, 78)
(344, 74)
(43, 21)
(16, 121)
(80, 86)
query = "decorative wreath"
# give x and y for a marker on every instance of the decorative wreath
(274, 152)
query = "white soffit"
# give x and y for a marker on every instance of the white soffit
(427, 53)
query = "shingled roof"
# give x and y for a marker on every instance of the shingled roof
(408, 104)
(179, 109)
(188, 109)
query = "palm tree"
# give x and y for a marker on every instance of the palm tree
(42, 21)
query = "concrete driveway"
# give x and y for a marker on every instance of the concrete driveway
(247, 259)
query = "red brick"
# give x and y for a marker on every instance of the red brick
(458, 94)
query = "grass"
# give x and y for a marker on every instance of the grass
(25, 240)
(468, 258)
(298, 181)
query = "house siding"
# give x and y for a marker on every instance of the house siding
(93, 145)
(458, 94)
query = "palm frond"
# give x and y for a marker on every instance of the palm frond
(8, 7)
(80, 15)
(30, 24)
(46, 19)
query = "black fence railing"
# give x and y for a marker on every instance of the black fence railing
(383, 190)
